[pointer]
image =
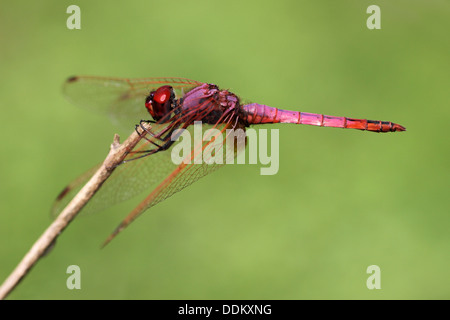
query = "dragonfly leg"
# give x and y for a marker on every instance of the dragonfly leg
(169, 140)
(142, 127)
(164, 147)
(147, 131)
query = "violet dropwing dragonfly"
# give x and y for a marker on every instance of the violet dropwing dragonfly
(168, 104)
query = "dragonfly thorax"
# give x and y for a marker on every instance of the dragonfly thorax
(209, 104)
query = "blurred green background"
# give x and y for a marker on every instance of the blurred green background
(342, 200)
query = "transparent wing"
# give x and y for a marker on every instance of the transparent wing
(67, 194)
(207, 156)
(121, 99)
(135, 177)
(127, 180)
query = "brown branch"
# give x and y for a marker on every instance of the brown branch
(116, 155)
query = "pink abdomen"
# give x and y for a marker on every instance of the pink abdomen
(255, 113)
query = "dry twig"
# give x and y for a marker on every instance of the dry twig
(116, 155)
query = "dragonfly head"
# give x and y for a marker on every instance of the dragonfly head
(160, 102)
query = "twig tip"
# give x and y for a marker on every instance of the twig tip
(116, 142)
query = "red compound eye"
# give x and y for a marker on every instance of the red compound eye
(162, 94)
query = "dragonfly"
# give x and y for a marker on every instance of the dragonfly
(168, 105)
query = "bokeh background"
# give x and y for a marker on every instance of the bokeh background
(342, 200)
